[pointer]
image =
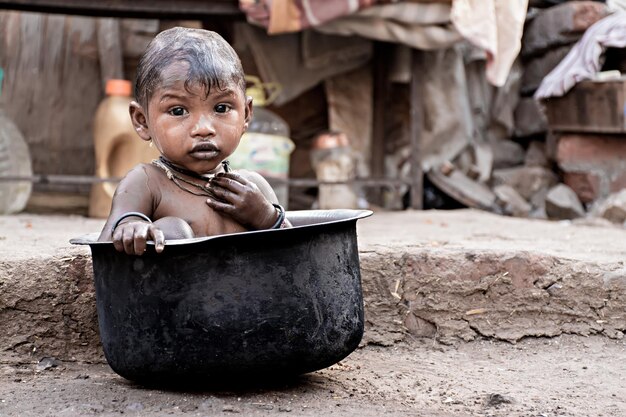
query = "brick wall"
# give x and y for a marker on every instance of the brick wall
(593, 165)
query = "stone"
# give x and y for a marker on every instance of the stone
(538, 202)
(536, 155)
(538, 67)
(593, 165)
(529, 118)
(511, 202)
(506, 153)
(418, 327)
(495, 400)
(560, 25)
(527, 181)
(613, 208)
(539, 212)
(562, 203)
(464, 189)
(552, 143)
(231, 409)
(586, 185)
(47, 363)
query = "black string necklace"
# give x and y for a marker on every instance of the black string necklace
(169, 169)
(188, 172)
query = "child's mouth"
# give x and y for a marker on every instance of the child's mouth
(205, 150)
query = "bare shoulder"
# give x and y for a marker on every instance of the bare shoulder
(143, 178)
(255, 177)
(141, 172)
(138, 191)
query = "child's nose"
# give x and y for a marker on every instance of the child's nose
(203, 127)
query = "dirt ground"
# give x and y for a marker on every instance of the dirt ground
(564, 376)
(536, 377)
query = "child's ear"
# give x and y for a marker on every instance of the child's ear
(140, 122)
(249, 112)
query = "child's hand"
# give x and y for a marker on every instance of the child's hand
(242, 200)
(131, 237)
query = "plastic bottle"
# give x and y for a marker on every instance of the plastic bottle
(117, 146)
(14, 161)
(265, 147)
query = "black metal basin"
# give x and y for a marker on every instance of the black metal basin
(274, 302)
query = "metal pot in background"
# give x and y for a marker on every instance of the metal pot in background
(15, 161)
(333, 161)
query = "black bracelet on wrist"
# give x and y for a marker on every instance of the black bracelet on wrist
(281, 216)
(130, 214)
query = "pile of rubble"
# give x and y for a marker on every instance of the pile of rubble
(572, 159)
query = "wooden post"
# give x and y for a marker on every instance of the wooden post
(417, 123)
(380, 94)
(110, 49)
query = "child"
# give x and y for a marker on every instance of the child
(191, 104)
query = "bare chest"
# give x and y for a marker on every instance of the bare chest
(204, 221)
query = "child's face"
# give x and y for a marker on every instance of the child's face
(189, 129)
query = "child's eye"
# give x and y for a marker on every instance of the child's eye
(222, 108)
(177, 111)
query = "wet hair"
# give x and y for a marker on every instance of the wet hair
(213, 63)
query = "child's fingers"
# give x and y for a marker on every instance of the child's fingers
(233, 176)
(128, 240)
(227, 183)
(131, 239)
(139, 241)
(158, 237)
(117, 240)
(226, 195)
(124, 240)
(220, 206)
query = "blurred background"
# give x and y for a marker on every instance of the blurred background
(514, 107)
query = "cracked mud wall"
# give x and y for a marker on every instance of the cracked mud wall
(47, 308)
(458, 296)
(47, 305)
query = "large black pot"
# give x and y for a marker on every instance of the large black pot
(277, 302)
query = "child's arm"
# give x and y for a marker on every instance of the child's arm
(248, 198)
(129, 232)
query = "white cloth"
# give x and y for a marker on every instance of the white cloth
(495, 26)
(420, 26)
(584, 60)
(616, 4)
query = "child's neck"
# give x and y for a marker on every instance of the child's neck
(224, 166)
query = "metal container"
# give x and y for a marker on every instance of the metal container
(273, 302)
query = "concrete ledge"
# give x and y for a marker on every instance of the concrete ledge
(453, 276)
(459, 275)
(454, 296)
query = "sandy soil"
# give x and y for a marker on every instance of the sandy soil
(564, 376)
